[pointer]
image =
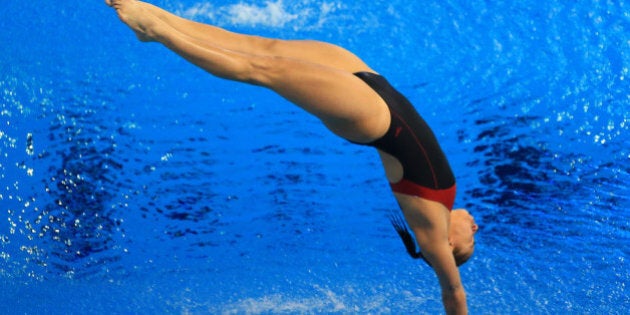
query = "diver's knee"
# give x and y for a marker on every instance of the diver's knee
(256, 70)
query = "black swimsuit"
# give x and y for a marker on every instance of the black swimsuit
(426, 172)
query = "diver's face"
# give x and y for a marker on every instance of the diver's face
(463, 229)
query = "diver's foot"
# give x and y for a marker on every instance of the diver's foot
(136, 17)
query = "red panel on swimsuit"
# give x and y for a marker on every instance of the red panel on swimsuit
(443, 196)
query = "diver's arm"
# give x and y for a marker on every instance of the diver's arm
(455, 303)
(429, 222)
(453, 294)
(438, 253)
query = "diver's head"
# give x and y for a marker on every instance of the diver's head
(462, 235)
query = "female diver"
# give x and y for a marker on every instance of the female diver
(352, 101)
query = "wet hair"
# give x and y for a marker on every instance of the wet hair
(399, 225)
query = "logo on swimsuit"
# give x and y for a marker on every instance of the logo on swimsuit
(398, 130)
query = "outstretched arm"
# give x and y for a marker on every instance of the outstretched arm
(429, 222)
(453, 294)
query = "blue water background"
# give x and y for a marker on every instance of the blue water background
(132, 182)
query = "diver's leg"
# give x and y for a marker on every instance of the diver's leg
(344, 103)
(307, 50)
